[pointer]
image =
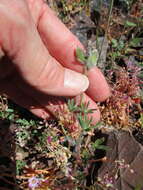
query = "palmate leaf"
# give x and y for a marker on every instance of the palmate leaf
(72, 105)
(92, 59)
(98, 144)
(80, 55)
(84, 122)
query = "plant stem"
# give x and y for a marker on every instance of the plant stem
(106, 31)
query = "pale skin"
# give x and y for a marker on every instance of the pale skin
(38, 59)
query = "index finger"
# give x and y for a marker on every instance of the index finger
(62, 44)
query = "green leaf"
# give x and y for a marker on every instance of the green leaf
(80, 55)
(102, 147)
(99, 141)
(22, 122)
(10, 110)
(19, 165)
(114, 43)
(136, 42)
(130, 24)
(116, 54)
(11, 117)
(84, 122)
(72, 105)
(98, 144)
(121, 45)
(92, 59)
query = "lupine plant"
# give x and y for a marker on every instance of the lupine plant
(68, 147)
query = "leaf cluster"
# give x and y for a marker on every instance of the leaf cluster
(88, 60)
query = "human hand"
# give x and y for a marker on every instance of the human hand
(38, 59)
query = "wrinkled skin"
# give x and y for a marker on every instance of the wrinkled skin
(37, 53)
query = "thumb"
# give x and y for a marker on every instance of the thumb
(56, 80)
(41, 71)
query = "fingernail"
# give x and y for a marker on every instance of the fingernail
(75, 80)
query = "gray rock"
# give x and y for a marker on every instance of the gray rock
(85, 30)
(123, 146)
(7, 156)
